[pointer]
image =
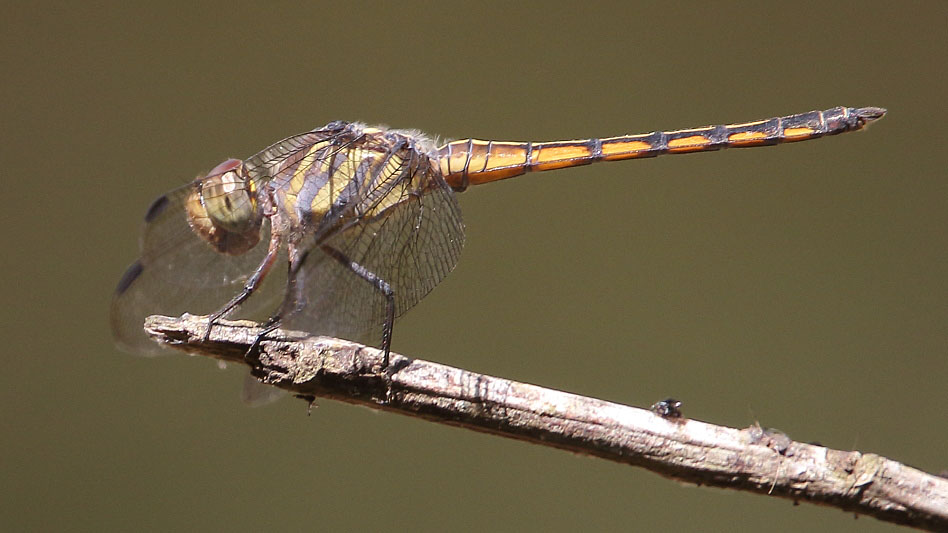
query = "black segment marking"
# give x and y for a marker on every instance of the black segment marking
(490, 145)
(465, 178)
(596, 150)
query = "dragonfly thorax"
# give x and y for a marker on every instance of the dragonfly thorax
(223, 209)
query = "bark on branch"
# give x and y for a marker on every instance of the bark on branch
(751, 459)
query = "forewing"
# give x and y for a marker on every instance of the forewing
(177, 272)
(407, 230)
(272, 160)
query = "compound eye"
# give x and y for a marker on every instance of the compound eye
(223, 209)
(229, 201)
(226, 166)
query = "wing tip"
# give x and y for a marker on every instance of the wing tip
(156, 208)
(131, 274)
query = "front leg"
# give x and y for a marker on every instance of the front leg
(292, 298)
(250, 286)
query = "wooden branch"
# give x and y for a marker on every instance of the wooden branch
(753, 459)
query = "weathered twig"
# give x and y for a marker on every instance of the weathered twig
(751, 459)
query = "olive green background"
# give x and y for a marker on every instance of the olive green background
(803, 286)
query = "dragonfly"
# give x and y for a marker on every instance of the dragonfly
(340, 230)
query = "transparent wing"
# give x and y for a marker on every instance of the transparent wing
(257, 394)
(281, 155)
(406, 230)
(177, 272)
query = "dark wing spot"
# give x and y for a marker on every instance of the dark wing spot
(129, 277)
(156, 208)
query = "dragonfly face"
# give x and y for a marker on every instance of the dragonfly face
(364, 220)
(223, 209)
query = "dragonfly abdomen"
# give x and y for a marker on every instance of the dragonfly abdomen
(472, 161)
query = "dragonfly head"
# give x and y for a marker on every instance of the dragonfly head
(223, 209)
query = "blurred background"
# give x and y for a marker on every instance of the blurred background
(802, 286)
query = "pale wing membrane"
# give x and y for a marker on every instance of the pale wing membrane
(179, 272)
(256, 393)
(271, 160)
(410, 236)
(177, 254)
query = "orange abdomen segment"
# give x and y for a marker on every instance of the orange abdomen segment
(472, 162)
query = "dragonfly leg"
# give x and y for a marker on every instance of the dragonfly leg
(268, 327)
(251, 285)
(378, 284)
(292, 299)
